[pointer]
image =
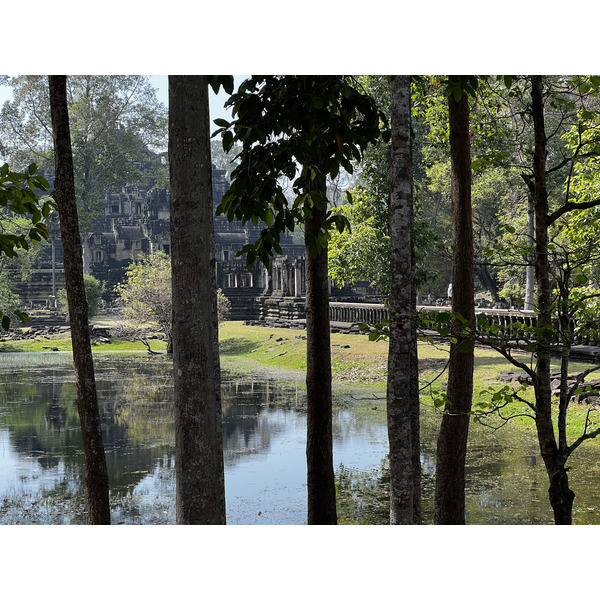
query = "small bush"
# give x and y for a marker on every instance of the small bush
(93, 293)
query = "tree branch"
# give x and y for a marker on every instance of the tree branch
(569, 206)
(585, 436)
(503, 351)
(530, 404)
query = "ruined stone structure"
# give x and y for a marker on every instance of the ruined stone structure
(135, 222)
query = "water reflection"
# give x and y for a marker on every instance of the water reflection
(264, 423)
(264, 427)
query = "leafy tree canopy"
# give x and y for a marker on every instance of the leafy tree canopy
(362, 251)
(146, 293)
(93, 294)
(306, 128)
(115, 120)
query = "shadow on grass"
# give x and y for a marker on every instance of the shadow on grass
(235, 346)
(482, 361)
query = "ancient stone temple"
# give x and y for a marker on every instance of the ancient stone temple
(248, 290)
(135, 222)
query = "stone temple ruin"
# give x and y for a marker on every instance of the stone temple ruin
(135, 222)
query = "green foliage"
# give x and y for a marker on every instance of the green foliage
(9, 301)
(303, 128)
(360, 251)
(440, 398)
(146, 292)
(114, 119)
(147, 296)
(502, 137)
(492, 401)
(20, 194)
(223, 305)
(93, 294)
(227, 82)
(23, 212)
(376, 331)
(574, 256)
(465, 84)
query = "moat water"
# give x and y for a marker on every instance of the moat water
(264, 427)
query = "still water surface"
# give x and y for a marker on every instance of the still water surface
(264, 426)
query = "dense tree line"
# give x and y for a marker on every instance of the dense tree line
(118, 132)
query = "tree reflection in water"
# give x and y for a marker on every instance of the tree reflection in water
(41, 473)
(264, 426)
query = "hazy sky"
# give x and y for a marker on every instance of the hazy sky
(216, 101)
(160, 82)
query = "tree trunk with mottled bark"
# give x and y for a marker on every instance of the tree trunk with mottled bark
(199, 467)
(319, 435)
(454, 430)
(402, 386)
(96, 472)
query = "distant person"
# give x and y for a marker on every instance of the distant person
(450, 294)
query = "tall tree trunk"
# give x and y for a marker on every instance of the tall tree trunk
(96, 473)
(319, 437)
(199, 468)
(561, 496)
(402, 386)
(530, 268)
(452, 439)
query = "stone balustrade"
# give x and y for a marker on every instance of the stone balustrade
(285, 309)
(356, 312)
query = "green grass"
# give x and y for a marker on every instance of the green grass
(354, 359)
(63, 343)
(488, 366)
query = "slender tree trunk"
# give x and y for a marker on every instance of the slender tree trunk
(402, 387)
(96, 473)
(561, 496)
(530, 268)
(319, 437)
(53, 241)
(452, 439)
(199, 468)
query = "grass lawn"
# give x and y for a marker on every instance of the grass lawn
(42, 343)
(354, 359)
